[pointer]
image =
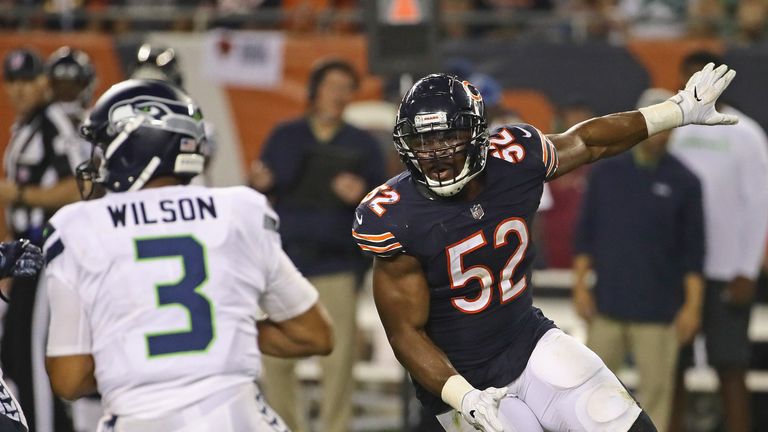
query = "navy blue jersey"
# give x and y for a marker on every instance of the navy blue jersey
(476, 257)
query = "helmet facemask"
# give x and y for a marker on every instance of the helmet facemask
(443, 154)
(90, 175)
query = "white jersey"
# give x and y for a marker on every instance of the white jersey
(732, 164)
(162, 286)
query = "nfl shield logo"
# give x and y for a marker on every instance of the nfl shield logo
(477, 211)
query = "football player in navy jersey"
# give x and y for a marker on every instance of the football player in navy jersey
(453, 255)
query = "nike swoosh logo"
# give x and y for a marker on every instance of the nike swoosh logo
(359, 218)
(696, 95)
(526, 134)
(472, 413)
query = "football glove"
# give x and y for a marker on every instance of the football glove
(697, 100)
(20, 258)
(481, 408)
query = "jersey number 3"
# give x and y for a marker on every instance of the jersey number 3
(183, 293)
(461, 276)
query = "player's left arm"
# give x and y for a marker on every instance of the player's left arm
(609, 135)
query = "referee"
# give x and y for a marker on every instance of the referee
(39, 180)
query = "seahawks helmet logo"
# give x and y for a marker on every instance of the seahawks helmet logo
(153, 112)
(154, 108)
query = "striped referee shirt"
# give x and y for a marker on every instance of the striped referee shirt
(44, 149)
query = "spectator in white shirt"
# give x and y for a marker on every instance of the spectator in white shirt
(732, 164)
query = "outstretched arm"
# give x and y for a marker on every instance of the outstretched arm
(606, 136)
(402, 299)
(598, 138)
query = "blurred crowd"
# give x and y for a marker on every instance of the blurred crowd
(739, 21)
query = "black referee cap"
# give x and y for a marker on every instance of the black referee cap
(22, 64)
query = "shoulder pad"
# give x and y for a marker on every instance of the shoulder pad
(374, 226)
(519, 142)
(251, 203)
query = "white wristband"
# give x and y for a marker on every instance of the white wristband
(454, 390)
(663, 116)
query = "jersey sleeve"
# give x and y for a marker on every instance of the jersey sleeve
(525, 144)
(287, 293)
(374, 228)
(58, 258)
(69, 331)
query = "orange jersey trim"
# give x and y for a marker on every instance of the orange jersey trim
(376, 238)
(380, 249)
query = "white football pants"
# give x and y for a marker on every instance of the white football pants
(242, 411)
(564, 387)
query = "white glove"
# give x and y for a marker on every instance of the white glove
(697, 100)
(481, 408)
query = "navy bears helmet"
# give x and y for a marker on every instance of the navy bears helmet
(72, 75)
(443, 109)
(141, 130)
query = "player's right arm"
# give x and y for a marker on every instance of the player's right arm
(297, 324)
(306, 335)
(402, 298)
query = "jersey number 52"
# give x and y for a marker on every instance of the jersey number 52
(461, 276)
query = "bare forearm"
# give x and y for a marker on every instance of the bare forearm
(426, 363)
(401, 294)
(72, 377)
(582, 264)
(598, 138)
(612, 134)
(694, 290)
(276, 342)
(55, 197)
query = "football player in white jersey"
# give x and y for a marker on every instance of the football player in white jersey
(155, 287)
